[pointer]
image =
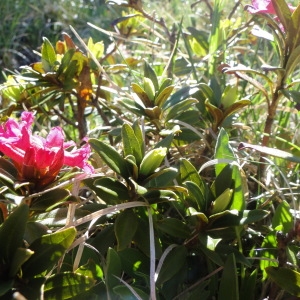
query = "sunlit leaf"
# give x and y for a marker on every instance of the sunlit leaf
(66, 285)
(287, 279)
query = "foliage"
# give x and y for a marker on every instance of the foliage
(185, 191)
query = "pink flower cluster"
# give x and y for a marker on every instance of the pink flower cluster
(38, 159)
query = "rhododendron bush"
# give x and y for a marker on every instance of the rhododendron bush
(162, 166)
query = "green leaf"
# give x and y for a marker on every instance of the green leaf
(236, 218)
(182, 106)
(292, 62)
(163, 96)
(283, 12)
(48, 55)
(158, 195)
(91, 270)
(125, 228)
(111, 191)
(196, 194)
(229, 282)
(268, 251)
(235, 107)
(139, 135)
(223, 181)
(283, 217)
(152, 160)
(149, 73)
(222, 202)
(66, 285)
(113, 269)
(133, 106)
(21, 255)
(174, 227)
(111, 157)
(287, 279)
(131, 144)
(142, 94)
(12, 232)
(229, 96)
(248, 288)
(50, 200)
(165, 142)
(188, 172)
(125, 293)
(6, 286)
(215, 112)
(223, 150)
(173, 262)
(47, 251)
(149, 89)
(134, 262)
(162, 178)
(182, 94)
(294, 33)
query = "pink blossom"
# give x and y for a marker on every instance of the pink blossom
(39, 159)
(263, 7)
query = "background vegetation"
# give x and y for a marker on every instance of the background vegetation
(191, 111)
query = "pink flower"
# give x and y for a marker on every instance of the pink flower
(37, 159)
(263, 7)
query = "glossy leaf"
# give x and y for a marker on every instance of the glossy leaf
(131, 145)
(159, 195)
(142, 94)
(48, 55)
(111, 190)
(66, 285)
(91, 270)
(21, 255)
(229, 96)
(196, 194)
(126, 293)
(113, 269)
(287, 279)
(163, 96)
(162, 178)
(50, 200)
(149, 89)
(180, 107)
(248, 290)
(229, 281)
(152, 160)
(172, 264)
(292, 62)
(180, 95)
(283, 217)
(134, 262)
(215, 112)
(12, 232)
(47, 251)
(174, 227)
(223, 150)
(125, 228)
(149, 73)
(235, 107)
(188, 172)
(111, 157)
(283, 12)
(222, 202)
